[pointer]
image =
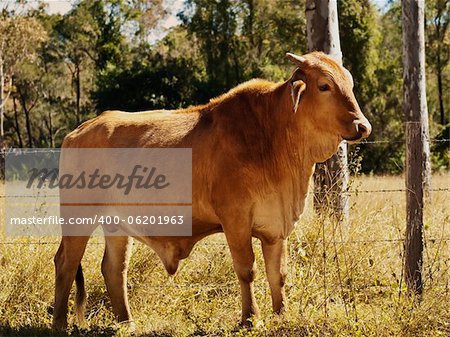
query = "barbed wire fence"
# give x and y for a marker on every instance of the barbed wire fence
(322, 246)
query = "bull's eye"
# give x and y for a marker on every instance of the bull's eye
(324, 87)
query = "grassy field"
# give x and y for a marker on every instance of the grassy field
(354, 289)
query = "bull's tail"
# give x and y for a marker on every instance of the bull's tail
(80, 297)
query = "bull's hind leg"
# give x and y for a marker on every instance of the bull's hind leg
(67, 260)
(239, 238)
(114, 270)
(275, 261)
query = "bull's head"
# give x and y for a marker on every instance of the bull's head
(322, 92)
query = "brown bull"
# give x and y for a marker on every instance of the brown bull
(263, 139)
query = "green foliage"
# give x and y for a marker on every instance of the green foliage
(19, 39)
(156, 82)
(97, 57)
(215, 25)
(438, 78)
(381, 96)
(272, 28)
(438, 56)
(240, 40)
(360, 38)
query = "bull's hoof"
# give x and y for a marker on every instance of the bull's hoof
(59, 325)
(279, 311)
(126, 328)
(252, 325)
(251, 322)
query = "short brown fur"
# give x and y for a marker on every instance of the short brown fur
(252, 160)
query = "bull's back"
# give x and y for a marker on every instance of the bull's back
(153, 129)
(117, 129)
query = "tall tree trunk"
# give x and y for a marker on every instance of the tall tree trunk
(251, 15)
(78, 92)
(440, 92)
(28, 126)
(237, 68)
(16, 119)
(50, 129)
(330, 177)
(417, 138)
(23, 102)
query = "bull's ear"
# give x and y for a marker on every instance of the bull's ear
(297, 82)
(296, 59)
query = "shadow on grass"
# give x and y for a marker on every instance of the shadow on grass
(33, 331)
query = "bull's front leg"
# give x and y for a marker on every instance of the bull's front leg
(275, 254)
(239, 240)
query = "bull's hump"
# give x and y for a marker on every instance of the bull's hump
(252, 87)
(132, 116)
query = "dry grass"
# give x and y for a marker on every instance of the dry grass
(354, 289)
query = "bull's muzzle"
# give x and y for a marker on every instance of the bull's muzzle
(363, 130)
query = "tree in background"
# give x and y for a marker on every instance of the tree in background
(74, 41)
(438, 77)
(380, 85)
(148, 14)
(270, 29)
(438, 48)
(244, 39)
(154, 81)
(215, 25)
(98, 56)
(20, 38)
(360, 39)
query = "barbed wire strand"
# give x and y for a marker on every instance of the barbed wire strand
(364, 142)
(386, 141)
(431, 240)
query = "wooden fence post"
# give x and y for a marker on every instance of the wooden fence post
(330, 177)
(417, 139)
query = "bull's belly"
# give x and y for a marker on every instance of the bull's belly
(272, 221)
(173, 249)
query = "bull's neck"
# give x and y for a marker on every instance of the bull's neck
(294, 138)
(313, 145)
(292, 148)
